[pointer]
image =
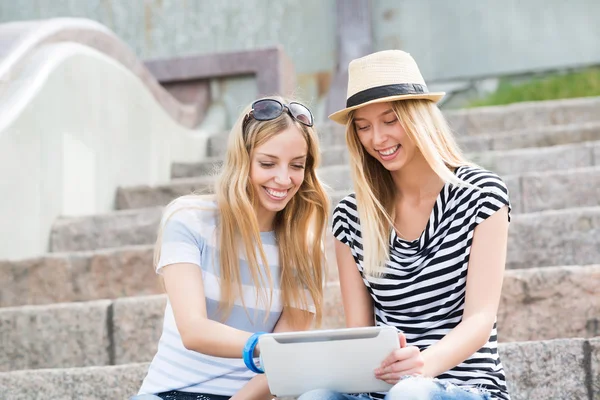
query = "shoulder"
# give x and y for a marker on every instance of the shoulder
(489, 191)
(486, 181)
(191, 211)
(346, 207)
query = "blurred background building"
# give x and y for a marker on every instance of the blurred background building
(462, 46)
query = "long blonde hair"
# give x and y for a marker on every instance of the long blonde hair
(426, 126)
(299, 228)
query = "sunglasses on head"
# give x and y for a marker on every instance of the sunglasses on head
(268, 109)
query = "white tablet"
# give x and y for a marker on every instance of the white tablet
(343, 360)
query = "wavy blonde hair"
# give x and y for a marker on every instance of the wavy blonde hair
(375, 190)
(299, 228)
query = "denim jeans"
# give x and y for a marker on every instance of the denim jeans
(324, 394)
(408, 389)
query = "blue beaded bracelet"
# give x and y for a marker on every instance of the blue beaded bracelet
(248, 353)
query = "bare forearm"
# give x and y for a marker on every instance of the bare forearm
(458, 345)
(256, 389)
(215, 339)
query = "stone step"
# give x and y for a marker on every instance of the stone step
(88, 383)
(539, 159)
(333, 137)
(542, 191)
(79, 276)
(560, 189)
(103, 332)
(558, 237)
(537, 304)
(99, 267)
(517, 116)
(89, 275)
(481, 121)
(161, 195)
(508, 163)
(534, 371)
(332, 155)
(503, 162)
(127, 271)
(336, 176)
(529, 192)
(101, 231)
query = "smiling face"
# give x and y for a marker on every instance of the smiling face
(277, 171)
(383, 137)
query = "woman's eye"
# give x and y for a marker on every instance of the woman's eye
(266, 165)
(362, 128)
(298, 166)
(390, 122)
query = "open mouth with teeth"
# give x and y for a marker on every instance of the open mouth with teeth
(276, 194)
(389, 153)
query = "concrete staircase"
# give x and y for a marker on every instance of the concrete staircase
(83, 321)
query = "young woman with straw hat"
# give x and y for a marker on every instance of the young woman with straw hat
(421, 244)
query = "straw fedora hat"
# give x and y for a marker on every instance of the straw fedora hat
(382, 77)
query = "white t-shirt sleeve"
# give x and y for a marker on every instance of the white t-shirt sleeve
(181, 241)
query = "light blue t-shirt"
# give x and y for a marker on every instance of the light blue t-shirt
(189, 236)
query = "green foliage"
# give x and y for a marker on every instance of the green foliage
(578, 84)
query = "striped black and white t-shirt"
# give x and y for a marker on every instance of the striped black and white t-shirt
(422, 292)
(189, 236)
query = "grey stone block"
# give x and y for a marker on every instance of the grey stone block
(569, 111)
(547, 136)
(527, 115)
(40, 280)
(63, 335)
(550, 303)
(477, 121)
(121, 228)
(337, 178)
(596, 152)
(332, 155)
(210, 166)
(114, 273)
(335, 155)
(552, 369)
(562, 237)
(457, 119)
(513, 184)
(84, 276)
(537, 304)
(331, 134)
(525, 137)
(137, 326)
(217, 145)
(333, 308)
(533, 240)
(471, 144)
(561, 189)
(519, 161)
(594, 368)
(89, 383)
(150, 196)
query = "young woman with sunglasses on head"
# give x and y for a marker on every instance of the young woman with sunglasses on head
(232, 264)
(421, 244)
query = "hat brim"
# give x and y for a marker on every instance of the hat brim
(341, 117)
